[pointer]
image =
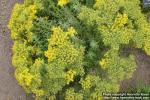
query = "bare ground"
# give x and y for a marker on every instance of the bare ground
(9, 88)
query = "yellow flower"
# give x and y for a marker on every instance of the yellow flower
(38, 93)
(71, 31)
(120, 21)
(38, 62)
(98, 3)
(103, 63)
(23, 76)
(62, 2)
(86, 83)
(50, 54)
(70, 76)
(57, 42)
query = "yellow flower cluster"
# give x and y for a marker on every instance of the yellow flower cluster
(50, 54)
(21, 20)
(86, 83)
(38, 61)
(38, 93)
(23, 76)
(126, 36)
(71, 32)
(103, 63)
(59, 40)
(99, 3)
(69, 55)
(60, 36)
(20, 55)
(70, 76)
(120, 21)
(62, 2)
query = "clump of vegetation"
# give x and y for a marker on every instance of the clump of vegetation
(70, 49)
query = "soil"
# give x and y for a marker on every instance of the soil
(10, 89)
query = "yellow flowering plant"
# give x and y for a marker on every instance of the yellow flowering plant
(22, 22)
(72, 49)
(62, 55)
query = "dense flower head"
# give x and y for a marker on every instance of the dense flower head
(24, 76)
(103, 63)
(86, 83)
(120, 20)
(99, 3)
(58, 42)
(70, 76)
(63, 2)
(50, 54)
